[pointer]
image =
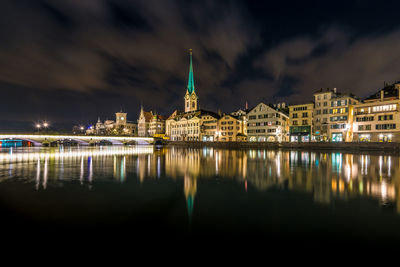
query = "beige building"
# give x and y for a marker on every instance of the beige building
(121, 126)
(301, 122)
(157, 125)
(209, 127)
(341, 118)
(321, 116)
(230, 128)
(193, 126)
(378, 118)
(144, 122)
(267, 123)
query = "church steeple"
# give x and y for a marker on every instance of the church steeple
(190, 87)
(190, 96)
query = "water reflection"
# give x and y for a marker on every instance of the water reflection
(327, 177)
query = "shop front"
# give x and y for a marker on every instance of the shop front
(300, 134)
(386, 137)
(364, 137)
(337, 137)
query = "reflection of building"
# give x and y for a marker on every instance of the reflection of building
(378, 118)
(121, 126)
(268, 123)
(300, 122)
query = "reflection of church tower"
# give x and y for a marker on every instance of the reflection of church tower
(190, 188)
(190, 96)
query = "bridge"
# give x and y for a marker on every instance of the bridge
(85, 140)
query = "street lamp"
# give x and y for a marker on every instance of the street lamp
(38, 127)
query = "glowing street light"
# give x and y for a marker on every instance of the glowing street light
(45, 124)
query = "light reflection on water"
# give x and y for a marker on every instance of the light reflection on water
(326, 176)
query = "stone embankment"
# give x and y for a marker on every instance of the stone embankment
(349, 146)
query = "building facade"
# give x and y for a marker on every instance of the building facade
(209, 127)
(144, 122)
(301, 122)
(378, 118)
(157, 125)
(321, 116)
(121, 126)
(230, 129)
(267, 123)
(341, 118)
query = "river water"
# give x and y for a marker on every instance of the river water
(144, 192)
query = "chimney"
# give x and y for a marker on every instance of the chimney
(279, 105)
(397, 85)
(283, 104)
(382, 93)
(334, 90)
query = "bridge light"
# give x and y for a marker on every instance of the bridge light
(45, 124)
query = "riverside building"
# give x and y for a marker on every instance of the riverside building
(194, 123)
(144, 122)
(300, 122)
(157, 125)
(230, 128)
(378, 118)
(267, 123)
(322, 100)
(341, 117)
(121, 126)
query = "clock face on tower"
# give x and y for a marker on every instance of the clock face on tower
(122, 118)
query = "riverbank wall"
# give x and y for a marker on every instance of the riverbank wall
(343, 146)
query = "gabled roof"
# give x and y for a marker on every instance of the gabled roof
(284, 111)
(148, 115)
(160, 117)
(174, 114)
(197, 113)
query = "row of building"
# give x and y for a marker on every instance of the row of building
(332, 116)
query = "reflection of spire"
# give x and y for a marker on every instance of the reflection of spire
(190, 189)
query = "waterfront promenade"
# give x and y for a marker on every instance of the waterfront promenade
(338, 146)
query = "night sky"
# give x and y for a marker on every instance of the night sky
(70, 61)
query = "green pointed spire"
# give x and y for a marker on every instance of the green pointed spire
(190, 87)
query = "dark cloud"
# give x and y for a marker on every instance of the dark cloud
(71, 60)
(359, 66)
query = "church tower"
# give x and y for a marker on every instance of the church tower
(190, 96)
(120, 118)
